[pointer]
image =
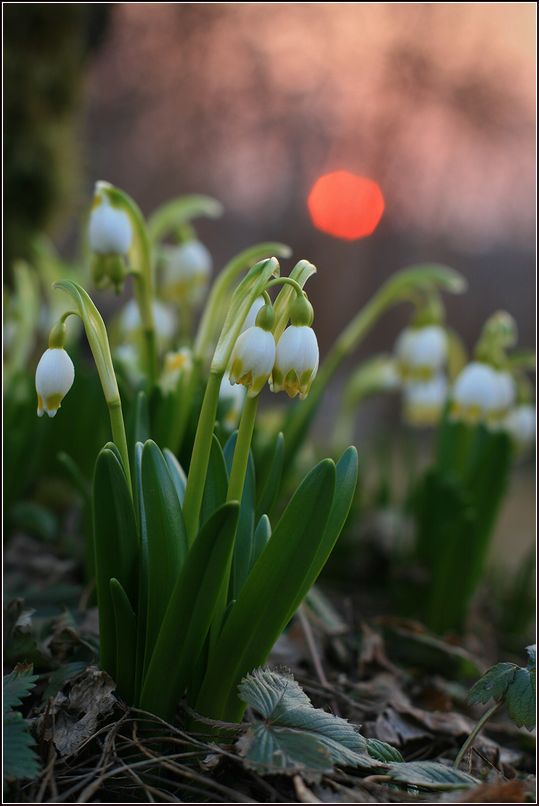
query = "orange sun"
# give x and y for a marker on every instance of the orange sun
(345, 205)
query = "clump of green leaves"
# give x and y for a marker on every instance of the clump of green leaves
(512, 686)
(20, 758)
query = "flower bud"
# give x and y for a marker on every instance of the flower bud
(109, 229)
(421, 352)
(252, 359)
(296, 361)
(55, 374)
(186, 271)
(424, 400)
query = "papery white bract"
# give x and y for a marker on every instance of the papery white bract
(252, 359)
(109, 229)
(186, 270)
(296, 361)
(424, 400)
(421, 352)
(55, 374)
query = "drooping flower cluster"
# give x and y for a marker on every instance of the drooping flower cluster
(290, 365)
(421, 356)
(482, 393)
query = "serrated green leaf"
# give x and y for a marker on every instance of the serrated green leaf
(494, 683)
(17, 685)
(430, 775)
(190, 612)
(216, 485)
(520, 698)
(382, 751)
(262, 609)
(165, 536)
(295, 736)
(19, 760)
(115, 544)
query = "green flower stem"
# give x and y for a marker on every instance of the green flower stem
(194, 490)
(287, 281)
(471, 738)
(142, 266)
(213, 317)
(118, 436)
(241, 451)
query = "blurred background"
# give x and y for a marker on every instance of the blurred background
(251, 103)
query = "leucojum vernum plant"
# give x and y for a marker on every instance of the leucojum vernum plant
(196, 576)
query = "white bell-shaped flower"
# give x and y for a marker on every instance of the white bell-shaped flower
(250, 319)
(177, 362)
(252, 359)
(109, 230)
(476, 392)
(165, 320)
(421, 352)
(186, 271)
(506, 393)
(55, 374)
(424, 400)
(232, 398)
(521, 425)
(296, 361)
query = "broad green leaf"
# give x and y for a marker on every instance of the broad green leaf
(271, 484)
(520, 698)
(294, 735)
(260, 538)
(126, 641)
(165, 536)
(262, 609)
(243, 544)
(189, 614)
(494, 683)
(177, 474)
(216, 485)
(430, 775)
(138, 422)
(142, 607)
(116, 546)
(346, 474)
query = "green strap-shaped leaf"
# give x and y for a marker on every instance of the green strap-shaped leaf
(261, 610)
(138, 422)
(177, 474)
(216, 482)
(260, 538)
(142, 609)
(346, 474)
(243, 545)
(271, 484)
(166, 539)
(115, 544)
(189, 614)
(126, 641)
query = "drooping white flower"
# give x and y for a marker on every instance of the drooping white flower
(232, 398)
(252, 359)
(296, 361)
(424, 400)
(506, 393)
(521, 425)
(176, 363)
(109, 229)
(421, 352)
(165, 320)
(55, 374)
(476, 392)
(250, 319)
(186, 270)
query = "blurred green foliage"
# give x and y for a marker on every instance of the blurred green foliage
(45, 49)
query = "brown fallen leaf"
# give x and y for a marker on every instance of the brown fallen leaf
(499, 792)
(76, 711)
